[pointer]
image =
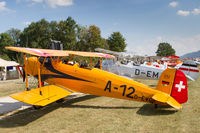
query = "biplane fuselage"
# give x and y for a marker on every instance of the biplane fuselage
(92, 81)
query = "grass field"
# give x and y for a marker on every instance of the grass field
(11, 86)
(101, 114)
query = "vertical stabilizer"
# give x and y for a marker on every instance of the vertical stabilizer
(179, 90)
(174, 83)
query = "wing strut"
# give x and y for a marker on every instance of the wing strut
(100, 63)
(39, 76)
(70, 59)
(91, 62)
(25, 69)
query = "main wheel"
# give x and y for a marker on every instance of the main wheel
(36, 107)
(60, 100)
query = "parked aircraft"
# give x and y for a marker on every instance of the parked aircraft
(65, 79)
(144, 70)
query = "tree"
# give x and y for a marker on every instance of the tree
(67, 33)
(104, 43)
(82, 42)
(165, 49)
(53, 29)
(90, 38)
(6, 40)
(37, 35)
(94, 37)
(116, 42)
(15, 34)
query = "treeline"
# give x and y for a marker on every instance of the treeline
(72, 35)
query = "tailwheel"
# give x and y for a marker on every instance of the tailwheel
(61, 100)
(36, 107)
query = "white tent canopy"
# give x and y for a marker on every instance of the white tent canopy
(4, 63)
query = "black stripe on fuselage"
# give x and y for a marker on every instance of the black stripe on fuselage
(58, 74)
(189, 65)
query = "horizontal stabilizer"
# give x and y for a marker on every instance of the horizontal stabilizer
(50, 93)
(165, 98)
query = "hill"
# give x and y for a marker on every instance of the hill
(191, 55)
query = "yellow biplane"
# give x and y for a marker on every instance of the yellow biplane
(64, 79)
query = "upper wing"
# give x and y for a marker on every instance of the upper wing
(39, 52)
(50, 52)
(90, 54)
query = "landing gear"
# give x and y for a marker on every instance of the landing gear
(36, 107)
(61, 100)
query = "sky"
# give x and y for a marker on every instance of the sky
(143, 23)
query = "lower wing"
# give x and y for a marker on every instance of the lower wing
(47, 95)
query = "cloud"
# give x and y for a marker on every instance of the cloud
(183, 13)
(30, 2)
(196, 11)
(182, 45)
(144, 46)
(37, 1)
(26, 23)
(51, 3)
(18, 1)
(173, 4)
(3, 7)
(115, 24)
(55, 3)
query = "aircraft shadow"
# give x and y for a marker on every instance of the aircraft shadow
(153, 86)
(29, 115)
(7, 107)
(150, 110)
(98, 107)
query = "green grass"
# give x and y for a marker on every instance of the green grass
(101, 114)
(11, 86)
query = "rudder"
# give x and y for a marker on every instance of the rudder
(174, 83)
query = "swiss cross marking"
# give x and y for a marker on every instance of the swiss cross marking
(180, 86)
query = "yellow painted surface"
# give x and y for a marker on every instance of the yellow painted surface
(166, 77)
(50, 93)
(165, 98)
(92, 81)
(171, 101)
(97, 82)
(39, 52)
(50, 52)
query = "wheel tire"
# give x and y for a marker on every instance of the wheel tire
(60, 100)
(36, 107)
